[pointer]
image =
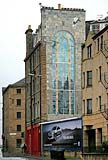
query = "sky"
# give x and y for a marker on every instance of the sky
(15, 16)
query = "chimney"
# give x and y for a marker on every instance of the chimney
(59, 6)
(29, 26)
(29, 40)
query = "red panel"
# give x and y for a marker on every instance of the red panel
(33, 140)
(27, 140)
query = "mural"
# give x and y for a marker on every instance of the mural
(63, 72)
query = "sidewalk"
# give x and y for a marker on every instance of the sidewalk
(34, 157)
(43, 158)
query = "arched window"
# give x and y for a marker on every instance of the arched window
(63, 72)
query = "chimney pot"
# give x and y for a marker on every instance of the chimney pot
(29, 26)
(59, 6)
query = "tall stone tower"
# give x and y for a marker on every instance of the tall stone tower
(63, 31)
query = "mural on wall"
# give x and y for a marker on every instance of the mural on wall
(63, 72)
(62, 134)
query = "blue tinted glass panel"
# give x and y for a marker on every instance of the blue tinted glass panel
(63, 102)
(54, 76)
(62, 50)
(53, 52)
(72, 102)
(54, 102)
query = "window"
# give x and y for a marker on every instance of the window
(101, 44)
(100, 135)
(97, 102)
(18, 128)
(89, 106)
(99, 73)
(22, 134)
(89, 78)
(62, 56)
(98, 44)
(83, 80)
(95, 28)
(18, 91)
(18, 143)
(100, 103)
(18, 115)
(18, 102)
(83, 107)
(107, 101)
(89, 51)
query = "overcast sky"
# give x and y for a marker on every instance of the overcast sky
(15, 16)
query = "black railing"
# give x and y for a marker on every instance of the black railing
(104, 110)
(104, 79)
(96, 149)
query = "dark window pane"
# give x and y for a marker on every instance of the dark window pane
(101, 44)
(18, 102)
(18, 127)
(89, 106)
(18, 143)
(18, 90)
(89, 78)
(98, 41)
(18, 115)
(89, 51)
(100, 102)
(100, 70)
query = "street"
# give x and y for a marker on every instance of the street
(12, 158)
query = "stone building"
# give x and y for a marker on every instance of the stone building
(96, 25)
(95, 91)
(53, 70)
(13, 120)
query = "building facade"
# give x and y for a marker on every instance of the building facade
(95, 91)
(96, 25)
(53, 70)
(13, 117)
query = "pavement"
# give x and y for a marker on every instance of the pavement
(34, 158)
(43, 158)
(28, 157)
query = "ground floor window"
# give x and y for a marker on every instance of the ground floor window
(18, 143)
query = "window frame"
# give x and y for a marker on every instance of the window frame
(18, 90)
(89, 108)
(18, 145)
(18, 127)
(83, 80)
(89, 78)
(89, 51)
(98, 45)
(100, 73)
(18, 117)
(18, 102)
(101, 43)
(100, 103)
